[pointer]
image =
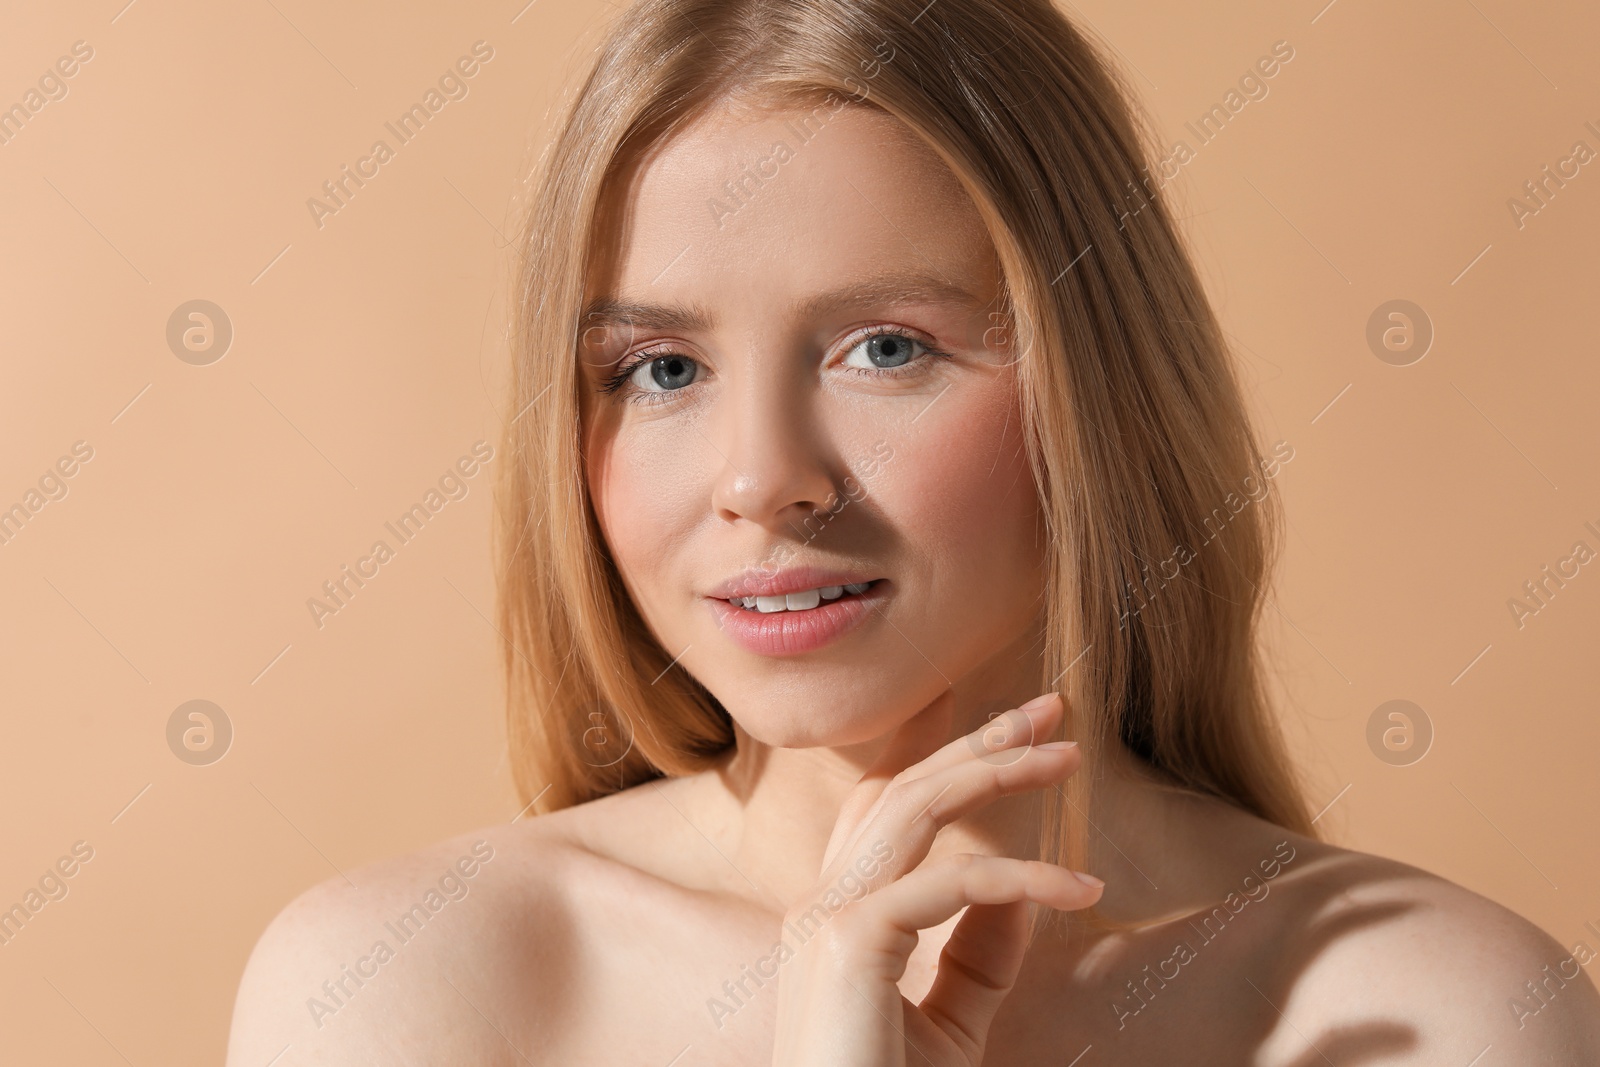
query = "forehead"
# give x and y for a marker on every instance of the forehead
(747, 205)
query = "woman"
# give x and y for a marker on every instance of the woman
(865, 393)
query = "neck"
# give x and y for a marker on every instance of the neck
(785, 802)
(1157, 847)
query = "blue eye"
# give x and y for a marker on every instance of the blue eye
(667, 372)
(883, 351)
(672, 371)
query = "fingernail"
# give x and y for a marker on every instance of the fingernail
(1088, 879)
(1057, 746)
(1038, 702)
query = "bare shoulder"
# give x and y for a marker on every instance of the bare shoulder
(454, 953)
(1376, 958)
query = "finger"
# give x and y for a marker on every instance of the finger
(1016, 729)
(916, 739)
(910, 743)
(909, 814)
(1032, 723)
(931, 894)
(977, 969)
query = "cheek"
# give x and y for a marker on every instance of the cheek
(962, 493)
(648, 495)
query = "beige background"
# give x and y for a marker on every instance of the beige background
(365, 360)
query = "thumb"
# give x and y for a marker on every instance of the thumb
(977, 969)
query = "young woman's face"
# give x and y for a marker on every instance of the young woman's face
(794, 388)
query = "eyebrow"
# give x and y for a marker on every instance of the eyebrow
(893, 288)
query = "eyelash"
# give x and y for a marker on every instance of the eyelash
(617, 381)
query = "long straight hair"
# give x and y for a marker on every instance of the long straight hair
(1151, 481)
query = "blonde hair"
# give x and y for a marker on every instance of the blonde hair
(1137, 434)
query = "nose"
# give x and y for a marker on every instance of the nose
(775, 456)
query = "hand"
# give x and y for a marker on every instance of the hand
(838, 1001)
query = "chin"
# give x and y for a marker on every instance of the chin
(789, 731)
(813, 716)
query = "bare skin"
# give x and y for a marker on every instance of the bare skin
(599, 934)
(639, 928)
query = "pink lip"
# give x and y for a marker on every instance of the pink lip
(790, 633)
(759, 582)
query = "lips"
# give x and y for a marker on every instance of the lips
(768, 629)
(759, 582)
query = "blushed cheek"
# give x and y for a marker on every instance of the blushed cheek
(607, 496)
(621, 508)
(645, 498)
(960, 490)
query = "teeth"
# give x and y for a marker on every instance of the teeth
(802, 601)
